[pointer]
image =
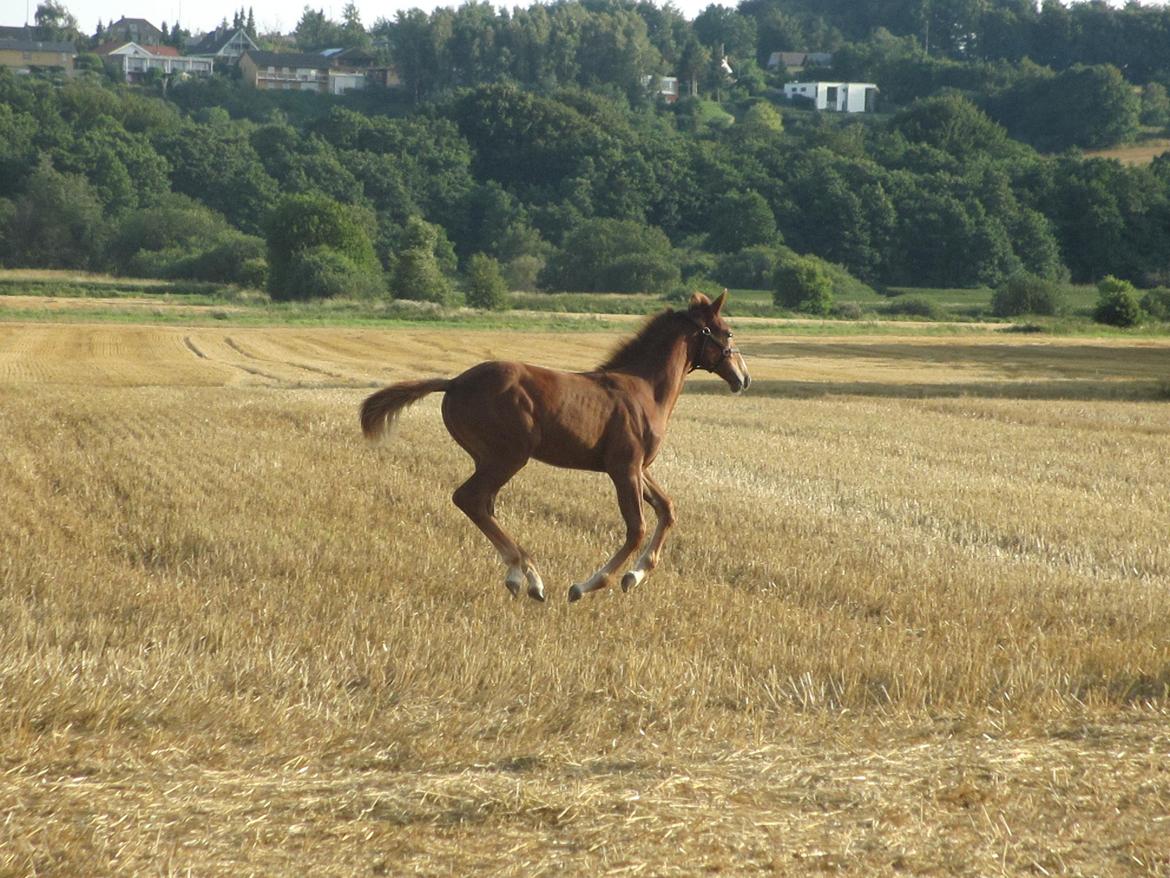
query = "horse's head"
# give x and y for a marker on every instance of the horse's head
(714, 350)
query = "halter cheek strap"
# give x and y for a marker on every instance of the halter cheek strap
(706, 338)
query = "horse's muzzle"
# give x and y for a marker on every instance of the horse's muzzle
(739, 384)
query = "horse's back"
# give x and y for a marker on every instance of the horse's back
(503, 408)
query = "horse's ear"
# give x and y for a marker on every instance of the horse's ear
(717, 305)
(698, 300)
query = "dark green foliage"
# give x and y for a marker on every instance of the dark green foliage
(1090, 107)
(1025, 293)
(523, 272)
(614, 256)
(18, 151)
(1156, 303)
(802, 283)
(739, 220)
(751, 268)
(953, 124)
(485, 286)
(303, 223)
(416, 274)
(176, 224)
(56, 222)
(323, 272)
(180, 238)
(914, 306)
(519, 129)
(1117, 303)
(1155, 106)
(234, 258)
(216, 164)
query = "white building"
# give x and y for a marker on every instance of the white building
(841, 97)
(136, 61)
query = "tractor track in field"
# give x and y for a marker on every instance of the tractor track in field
(317, 370)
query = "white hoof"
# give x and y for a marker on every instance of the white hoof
(514, 580)
(632, 579)
(535, 585)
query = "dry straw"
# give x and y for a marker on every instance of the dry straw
(914, 617)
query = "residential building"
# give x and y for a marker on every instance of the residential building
(665, 87)
(20, 32)
(327, 74)
(135, 62)
(133, 30)
(223, 45)
(842, 97)
(26, 55)
(292, 71)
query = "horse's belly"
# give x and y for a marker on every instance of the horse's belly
(570, 458)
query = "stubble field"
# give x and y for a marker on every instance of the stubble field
(915, 617)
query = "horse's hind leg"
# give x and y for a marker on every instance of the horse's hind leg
(664, 509)
(477, 499)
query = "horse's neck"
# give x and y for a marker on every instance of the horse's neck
(666, 375)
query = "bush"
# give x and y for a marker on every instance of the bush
(523, 272)
(235, 259)
(176, 224)
(299, 226)
(848, 311)
(803, 284)
(485, 285)
(612, 256)
(1025, 293)
(417, 274)
(751, 268)
(1156, 303)
(914, 306)
(1117, 303)
(253, 273)
(695, 263)
(641, 273)
(323, 273)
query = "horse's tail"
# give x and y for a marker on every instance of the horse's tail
(381, 409)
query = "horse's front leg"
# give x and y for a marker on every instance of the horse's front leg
(664, 509)
(629, 492)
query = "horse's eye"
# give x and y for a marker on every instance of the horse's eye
(731, 335)
(706, 330)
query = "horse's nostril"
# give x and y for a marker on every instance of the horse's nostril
(747, 381)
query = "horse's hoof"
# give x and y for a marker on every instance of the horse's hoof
(535, 593)
(575, 593)
(629, 581)
(513, 587)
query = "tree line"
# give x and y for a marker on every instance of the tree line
(529, 145)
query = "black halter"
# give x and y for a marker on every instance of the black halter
(706, 338)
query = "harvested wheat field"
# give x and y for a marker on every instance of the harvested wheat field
(914, 619)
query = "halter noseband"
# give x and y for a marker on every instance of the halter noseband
(725, 351)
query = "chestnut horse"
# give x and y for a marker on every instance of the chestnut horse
(610, 420)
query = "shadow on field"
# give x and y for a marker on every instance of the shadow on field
(1071, 389)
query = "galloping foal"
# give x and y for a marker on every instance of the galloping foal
(610, 420)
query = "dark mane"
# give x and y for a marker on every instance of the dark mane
(657, 330)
